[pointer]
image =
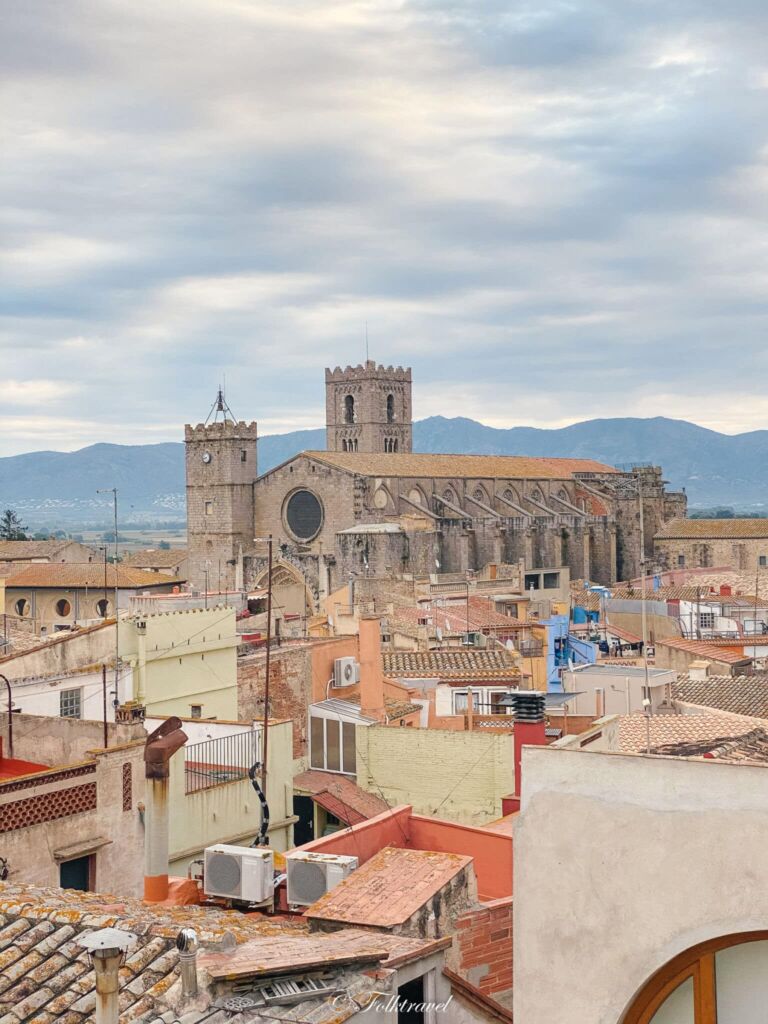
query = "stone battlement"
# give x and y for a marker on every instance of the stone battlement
(368, 371)
(222, 430)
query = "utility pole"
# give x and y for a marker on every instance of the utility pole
(644, 613)
(113, 492)
(265, 730)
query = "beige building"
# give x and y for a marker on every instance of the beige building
(165, 561)
(15, 553)
(703, 543)
(56, 597)
(662, 907)
(176, 663)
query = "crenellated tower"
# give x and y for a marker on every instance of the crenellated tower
(221, 469)
(368, 409)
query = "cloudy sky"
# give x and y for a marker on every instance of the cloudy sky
(551, 210)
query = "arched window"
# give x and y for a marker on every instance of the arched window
(22, 607)
(63, 608)
(721, 981)
(355, 444)
(349, 409)
(394, 445)
(390, 408)
(102, 607)
(343, 445)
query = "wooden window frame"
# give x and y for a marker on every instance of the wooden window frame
(697, 963)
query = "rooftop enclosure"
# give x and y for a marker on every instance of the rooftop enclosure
(491, 851)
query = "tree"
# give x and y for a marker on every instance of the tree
(11, 527)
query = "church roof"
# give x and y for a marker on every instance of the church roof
(714, 529)
(412, 465)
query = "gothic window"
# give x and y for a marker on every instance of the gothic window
(390, 408)
(343, 445)
(355, 444)
(394, 445)
(479, 494)
(349, 409)
(449, 495)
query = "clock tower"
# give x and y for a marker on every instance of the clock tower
(221, 471)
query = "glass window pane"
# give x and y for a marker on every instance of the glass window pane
(350, 756)
(677, 1008)
(742, 983)
(318, 743)
(333, 746)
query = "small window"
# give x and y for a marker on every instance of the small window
(71, 703)
(63, 608)
(196, 711)
(102, 607)
(551, 580)
(532, 581)
(349, 409)
(706, 620)
(209, 508)
(681, 560)
(460, 702)
(763, 561)
(243, 455)
(390, 408)
(22, 606)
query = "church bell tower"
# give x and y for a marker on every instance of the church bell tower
(368, 409)
(221, 471)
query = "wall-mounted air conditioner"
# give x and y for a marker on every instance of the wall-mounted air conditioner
(312, 875)
(239, 873)
(346, 671)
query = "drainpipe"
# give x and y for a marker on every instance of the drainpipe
(161, 745)
(106, 950)
(10, 716)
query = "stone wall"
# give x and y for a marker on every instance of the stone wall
(743, 554)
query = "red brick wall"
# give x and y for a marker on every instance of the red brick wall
(290, 682)
(485, 948)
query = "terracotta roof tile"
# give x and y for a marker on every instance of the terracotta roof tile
(702, 732)
(19, 550)
(85, 574)
(470, 663)
(353, 803)
(714, 529)
(160, 558)
(503, 467)
(742, 695)
(389, 888)
(704, 650)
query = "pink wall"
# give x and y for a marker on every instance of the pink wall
(491, 851)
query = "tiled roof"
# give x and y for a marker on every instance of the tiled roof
(389, 888)
(85, 574)
(714, 529)
(704, 650)
(394, 709)
(160, 558)
(698, 732)
(667, 593)
(451, 616)
(45, 975)
(741, 695)
(18, 550)
(352, 804)
(468, 663)
(502, 467)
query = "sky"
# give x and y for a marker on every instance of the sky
(552, 211)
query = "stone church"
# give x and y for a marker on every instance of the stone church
(369, 505)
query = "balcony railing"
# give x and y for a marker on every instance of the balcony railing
(224, 759)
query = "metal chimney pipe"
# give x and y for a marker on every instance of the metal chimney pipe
(106, 950)
(161, 745)
(188, 945)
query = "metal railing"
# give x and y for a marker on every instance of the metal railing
(224, 759)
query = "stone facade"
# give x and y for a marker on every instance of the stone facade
(370, 506)
(221, 467)
(369, 409)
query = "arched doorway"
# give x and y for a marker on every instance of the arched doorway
(721, 981)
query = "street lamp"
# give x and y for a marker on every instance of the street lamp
(268, 541)
(113, 492)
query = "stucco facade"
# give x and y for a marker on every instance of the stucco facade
(652, 854)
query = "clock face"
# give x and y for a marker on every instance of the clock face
(206, 457)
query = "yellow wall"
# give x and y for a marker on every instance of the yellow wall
(460, 775)
(190, 658)
(230, 813)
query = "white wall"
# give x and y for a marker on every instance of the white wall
(647, 855)
(42, 696)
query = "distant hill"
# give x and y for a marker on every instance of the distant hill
(715, 469)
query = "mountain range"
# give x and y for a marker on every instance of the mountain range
(714, 468)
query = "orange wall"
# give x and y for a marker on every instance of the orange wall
(491, 851)
(323, 657)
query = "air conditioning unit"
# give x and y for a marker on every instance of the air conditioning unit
(312, 875)
(346, 671)
(239, 873)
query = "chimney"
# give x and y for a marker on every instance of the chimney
(530, 730)
(698, 670)
(106, 950)
(161, 745)
(371, 671)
